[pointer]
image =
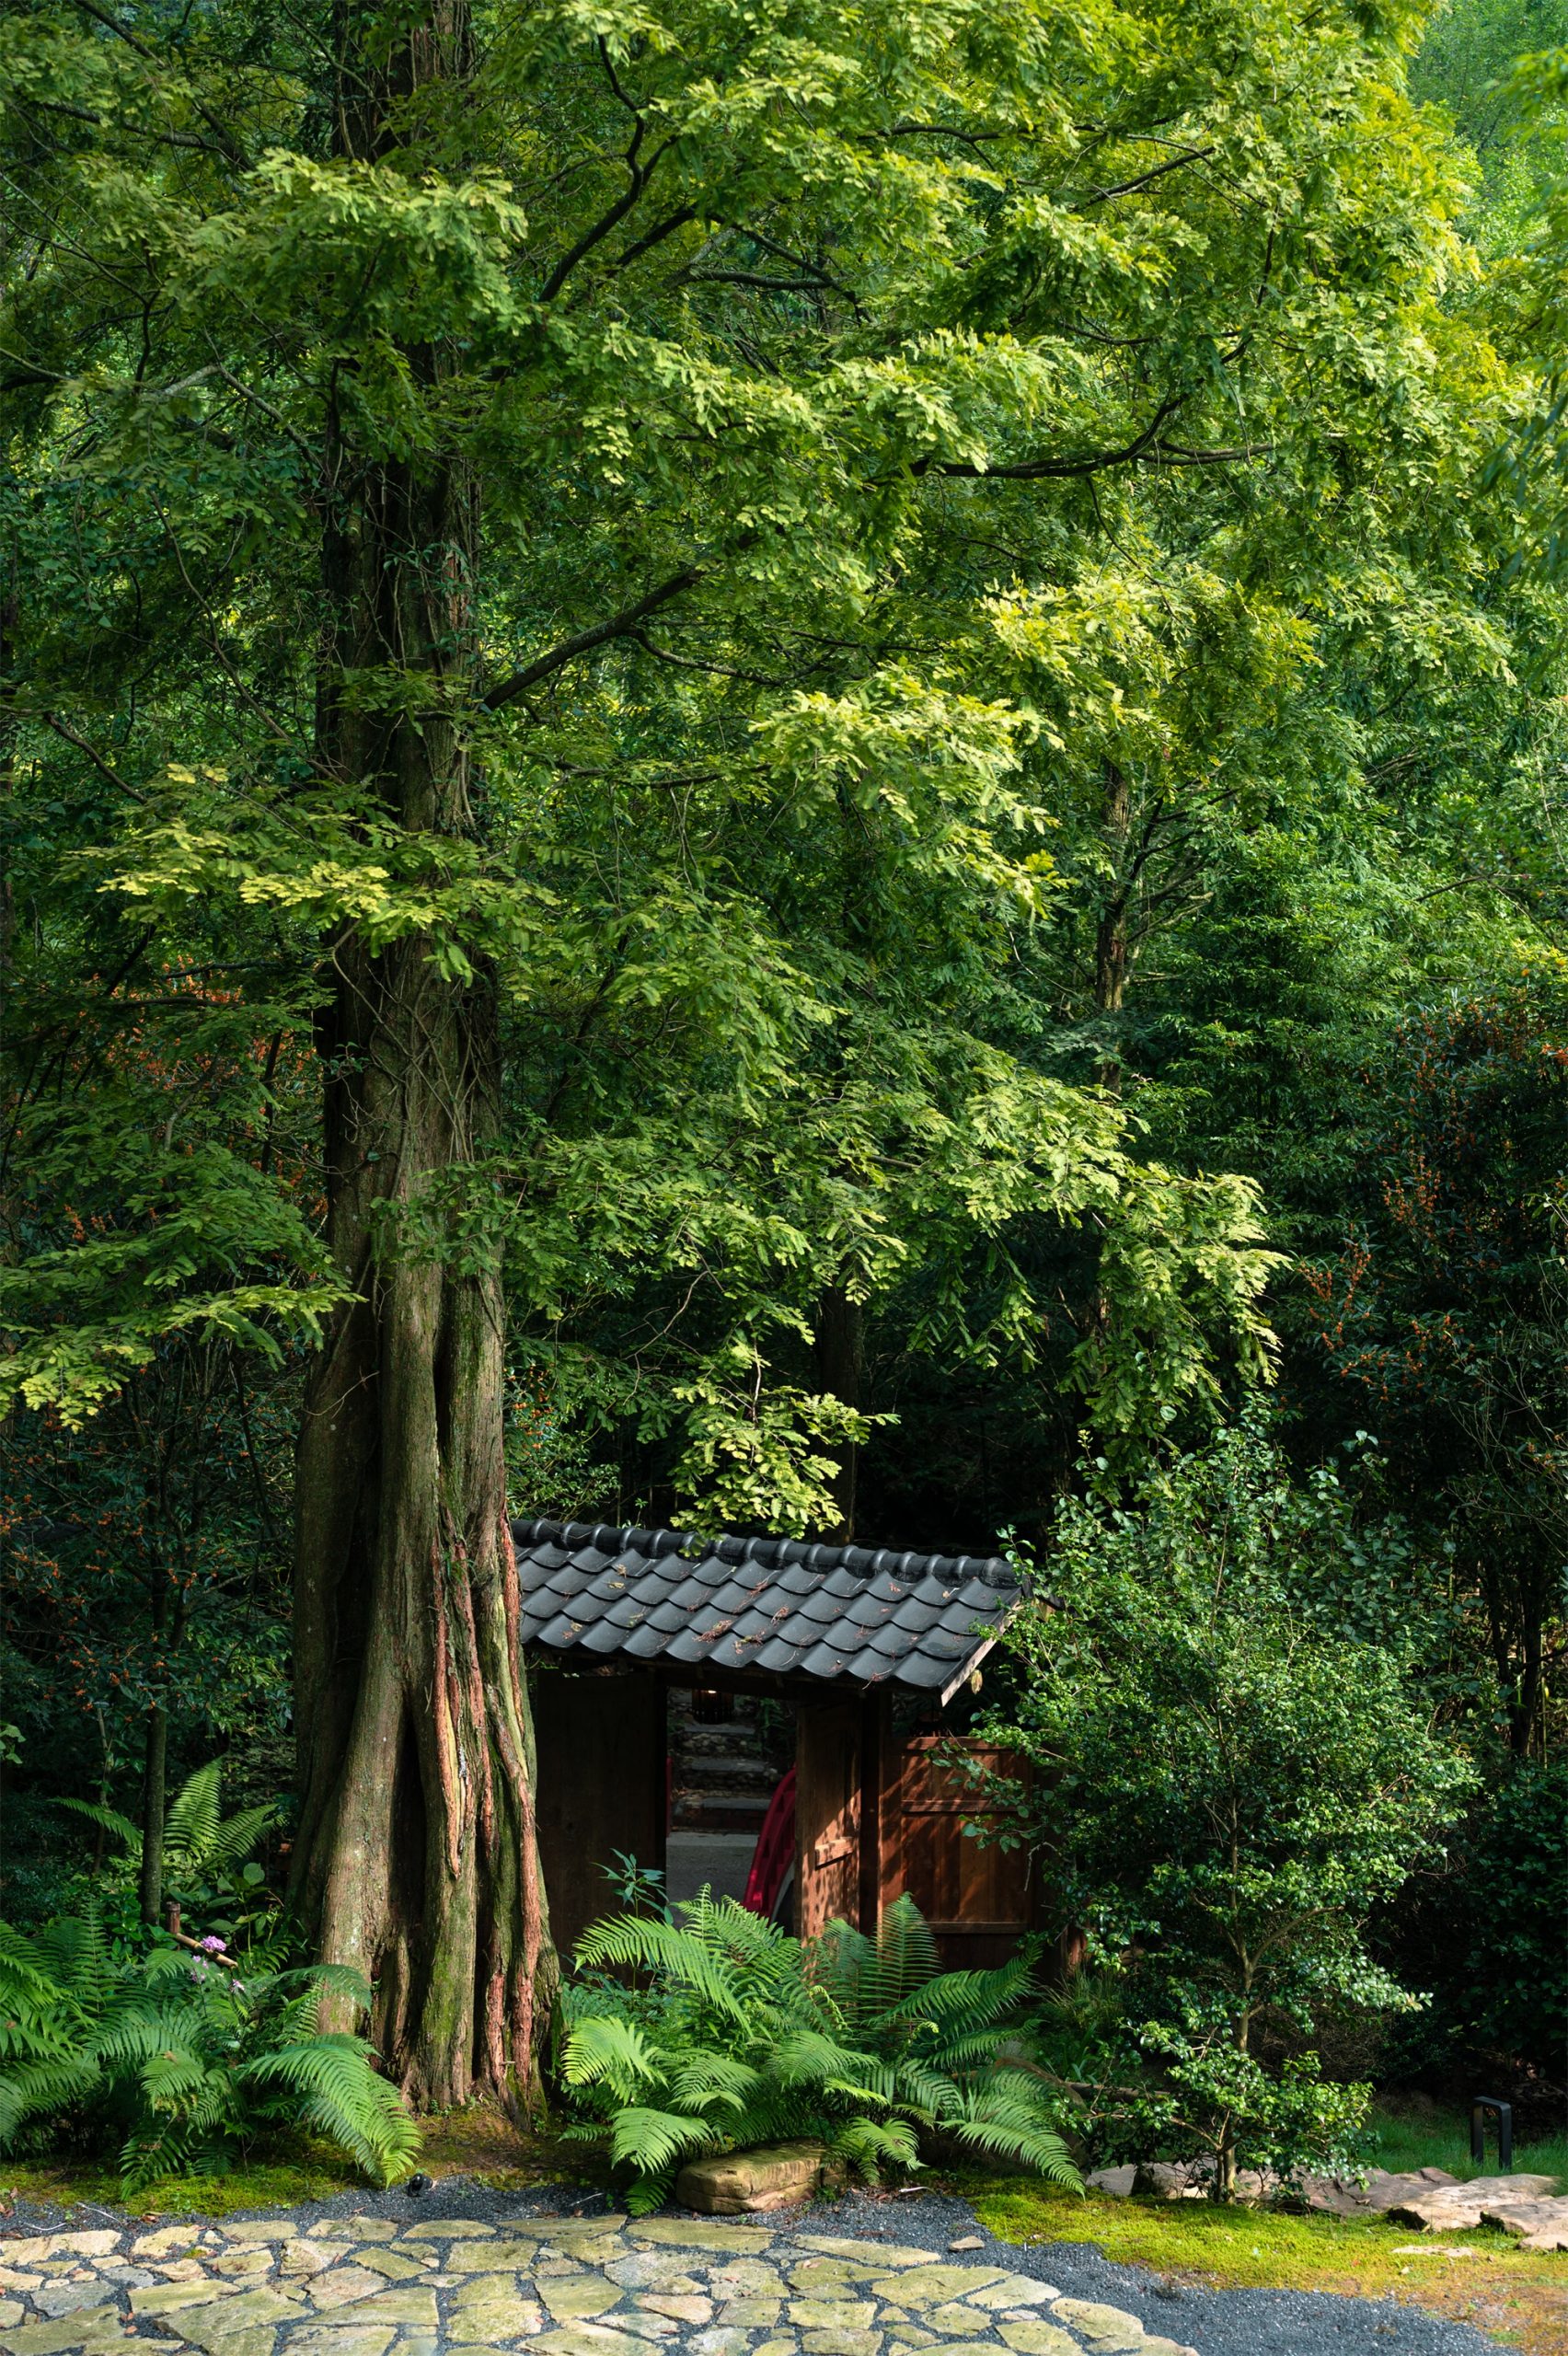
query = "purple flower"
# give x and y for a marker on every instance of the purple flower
(211, 1945)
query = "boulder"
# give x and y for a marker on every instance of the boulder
(1164, 2179)
(1117, 2182)
(746, 2184)
(1382, 2194)
(1450, 2208)
(1541, 2224)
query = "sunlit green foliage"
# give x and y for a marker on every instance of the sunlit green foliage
(736, 2035)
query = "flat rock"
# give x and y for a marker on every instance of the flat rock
(846, 2342)
(932, 2286)
(213, 2327)
(1108, 2328)
(340, 2285)
(496, 2257)
(738, 2278)
(738, 2241)
(164, 2242)
(582, 2296)
(517, 2320)
(190, 2290)
(347, 2339)
(406, 2305)
(86, 2327)
(1541, 2224)
(832, 2315)
(743, 2184)
(1037, 2338)
(64, 2298)
(1014, 2290)
(395, 2266)
(1446, 2209)
(588, 2339)
(687, 2306)
(867, 2255)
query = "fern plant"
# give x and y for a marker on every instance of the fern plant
(206, 1855)
(741, 2035)
(182, 2059)
(199, 2059)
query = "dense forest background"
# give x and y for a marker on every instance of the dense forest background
(1173, 1029)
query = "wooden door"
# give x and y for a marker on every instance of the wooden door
(828, 1814)
(977, 1898)
(601, 1787)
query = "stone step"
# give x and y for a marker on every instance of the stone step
(739, 1775)
(711, 1812)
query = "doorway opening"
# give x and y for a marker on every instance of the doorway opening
(728, 1754)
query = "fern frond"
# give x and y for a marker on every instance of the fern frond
(650, 2140)
(108, 1819)
(192, 1818)
(867, 2143)
(1004, 2123)
(606, 2052)
(642, 1943)
(346, 2100)
(699, 2079)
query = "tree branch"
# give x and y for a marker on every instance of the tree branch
(63, 728)
(621, 625)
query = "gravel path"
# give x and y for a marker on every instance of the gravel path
(465, 2272)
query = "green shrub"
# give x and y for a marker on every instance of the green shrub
(741, 2035)
(179, 2061)
(1232, 1770)
(207, 1870)
(179, 2054)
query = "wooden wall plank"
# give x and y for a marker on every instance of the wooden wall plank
(977, 1899)
(601, 1750)
(827, 1813)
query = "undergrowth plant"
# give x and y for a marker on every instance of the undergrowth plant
(738, 2035)
(177, 2053)
(207, 1865)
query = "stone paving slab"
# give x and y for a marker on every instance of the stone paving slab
(535, 2286)
(465, 2271)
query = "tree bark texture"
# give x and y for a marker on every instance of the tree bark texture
(154, 1775)
(1110, 948)
(416, 1858)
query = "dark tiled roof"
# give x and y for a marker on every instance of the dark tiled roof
(846, 1614)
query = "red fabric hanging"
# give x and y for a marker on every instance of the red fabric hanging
(775, 1851)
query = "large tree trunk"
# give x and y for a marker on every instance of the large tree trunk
(416, 1858)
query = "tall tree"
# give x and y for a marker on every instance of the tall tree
(501, 502)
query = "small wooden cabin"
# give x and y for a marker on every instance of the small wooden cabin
(869, 1647)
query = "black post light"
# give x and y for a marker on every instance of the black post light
(1480, 2105)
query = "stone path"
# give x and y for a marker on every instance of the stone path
(607, 2286)
(465, 2272)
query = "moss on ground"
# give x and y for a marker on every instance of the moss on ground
(479, 2140)
(276, 2179)
(1520, 2298)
